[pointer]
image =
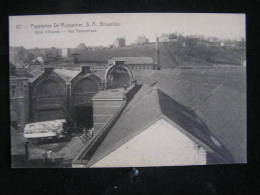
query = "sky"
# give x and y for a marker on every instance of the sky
(43, 31)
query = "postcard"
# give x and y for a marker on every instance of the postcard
(127, 90)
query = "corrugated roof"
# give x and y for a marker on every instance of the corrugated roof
(148, 106)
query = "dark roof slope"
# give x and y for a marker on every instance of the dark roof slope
(224, 112)
(217, 96)
(148, 106)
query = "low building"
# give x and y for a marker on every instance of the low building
(65, 52)
(141, 40)
(135, 62)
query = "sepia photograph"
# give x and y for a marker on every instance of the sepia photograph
(127, 90)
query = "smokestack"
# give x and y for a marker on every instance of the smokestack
(157, 54)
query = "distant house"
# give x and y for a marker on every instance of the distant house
(65, 52)
(119, 42)
(38, 61)
(82, 46)
(168, 38)
(141, 40)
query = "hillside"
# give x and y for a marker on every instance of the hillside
(172, 54)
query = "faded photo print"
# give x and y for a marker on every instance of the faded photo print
(127, 90)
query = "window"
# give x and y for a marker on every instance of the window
(13, 91)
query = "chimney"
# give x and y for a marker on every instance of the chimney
(86, 69)
(119, 62)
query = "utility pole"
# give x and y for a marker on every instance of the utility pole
(157, 54)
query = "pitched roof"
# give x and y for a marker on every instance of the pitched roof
(217, 96)
(148, 106)
(66, 74)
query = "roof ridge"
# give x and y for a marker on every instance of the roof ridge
(137, 101)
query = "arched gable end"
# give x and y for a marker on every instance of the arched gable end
(47, 85)
(48, 96)
(118, 76)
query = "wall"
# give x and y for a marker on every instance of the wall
(19, 108)
(83, 87)
(159, 145)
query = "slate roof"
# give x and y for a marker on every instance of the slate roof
(147, 106)
(217, 96)
(66, 74)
